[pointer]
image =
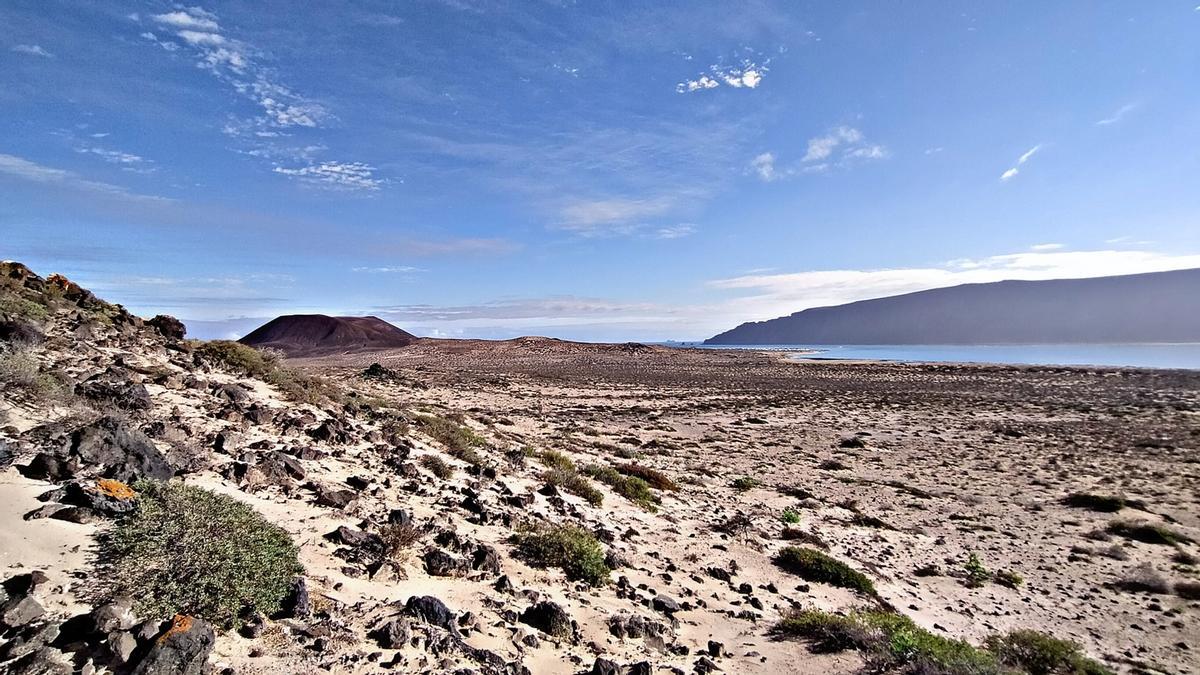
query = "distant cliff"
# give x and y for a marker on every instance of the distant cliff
(1154, 307)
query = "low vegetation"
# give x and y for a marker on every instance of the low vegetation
(891, 642)
(460, 441)
(745, 483)
(632, 488)
(1147, 533)
(654, 478)
(399, 539)
(975, 575)
(790, 516)
(191, 551)
(437, 466)
(813, 565)
(295, 385)
(573, 482)
(1093, 502)
(572, 549)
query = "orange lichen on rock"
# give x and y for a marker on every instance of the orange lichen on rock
(115, 489)
(179, 624)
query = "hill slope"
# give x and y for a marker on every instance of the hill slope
(316, 334)
(1154, 307)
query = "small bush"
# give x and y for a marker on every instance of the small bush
(399, 538)
(976, 575)
(437, 466)
(790, 516)
(745, 483)
(812, 565)
(654, 478)
(236, 356)
(553, 459)
(187, 550)
(1144, 579)
(632, 488)
(460, 441)
(301, 387)
(1101, 503)
(1009, 578)
(572, 549)
(1040, 654)
(891, 642)
(1147, 533)
(574, 483)
(1188, 590)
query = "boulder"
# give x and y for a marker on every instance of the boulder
(107, 448)
(168, 327)
(297, 603)
(550, 618)
(394, 634)
(439, 563)
(182, 649)
(432, 611)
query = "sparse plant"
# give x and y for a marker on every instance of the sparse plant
(1094, 502)
(437, 466)
(399, 539)
(790, 516)
(1188, 590)
(574, 483)
(460, 441)
(632, 488)
(1009, 579)
(191, 551)
(1040, 654)
(572, 549)
(976, 575)
(813, 565)
(745, 483)
(1147, 533)
(653, 477)
(553, 459)
(1144, 579)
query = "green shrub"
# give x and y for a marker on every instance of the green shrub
(1147, 533)
(790, 516)
(22, 308)
(976, 574)
(745, 483)
(573, 483)
(654, 478)
(236, 356)
(459, 441)
(1040, 654)
(632, 488)
(572, 549)
(813, 565)
(191, 551)
(437, 466)
(890, 642)
(553, 459)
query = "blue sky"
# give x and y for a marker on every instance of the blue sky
(590, 170)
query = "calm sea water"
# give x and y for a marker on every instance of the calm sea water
(1185, 355)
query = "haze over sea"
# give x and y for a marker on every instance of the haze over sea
(1180, 355)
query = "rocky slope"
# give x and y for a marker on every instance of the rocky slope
(419, 493)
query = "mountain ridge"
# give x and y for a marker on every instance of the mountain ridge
(1148, 307)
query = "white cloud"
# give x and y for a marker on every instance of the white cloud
(1118, 115)
(1025, 157)
(746, 75)
(24, 169)
(598, 217)
(1045, 247)
(193, 18)
(32, 50)
(764, 165)
(338, 175)
(675, 231)
(842, 146)
(387, 270)
(113, 156)
(774, 295)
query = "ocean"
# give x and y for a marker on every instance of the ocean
(1182, 355)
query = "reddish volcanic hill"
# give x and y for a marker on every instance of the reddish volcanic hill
(317, 334)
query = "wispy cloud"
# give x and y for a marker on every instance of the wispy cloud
(1118, 115)
(32, 50)
(282, 111)
(24, 169)
(1015, 169)
(675, 231)
(747, 74)
(126, 160)
(607, 217)
(336, 175)
(403, 269)
(841, 146)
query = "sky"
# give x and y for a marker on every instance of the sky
(585, 169)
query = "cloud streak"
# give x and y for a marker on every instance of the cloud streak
(840, 147)
(18, 167)
(1015, 169)
(32, 50)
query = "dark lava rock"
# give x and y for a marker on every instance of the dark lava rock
(120, 393)
(106, 448)
(635, 626)
(182, 649)
(549, 618)
(605, 667)
(439, 563)
(667, 605)
(394, 634)
(432, 611)
(20, 610)
(297, 603)
(338, 499)
(168, 326)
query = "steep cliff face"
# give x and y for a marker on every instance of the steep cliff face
(1155, 307)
